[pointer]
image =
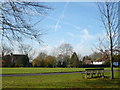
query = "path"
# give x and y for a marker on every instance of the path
(33, 74)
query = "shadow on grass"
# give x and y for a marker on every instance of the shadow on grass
(105, 82)
(103, 78)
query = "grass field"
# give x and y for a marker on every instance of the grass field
(37, 70)
(42, 70)
(73, 80)
(60, 81)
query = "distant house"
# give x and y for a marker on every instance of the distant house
(0, 62)
(16, 60)
(87, 62)
(97, 63)
(7, 59)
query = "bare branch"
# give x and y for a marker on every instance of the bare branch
(14, 19)
(110, 21)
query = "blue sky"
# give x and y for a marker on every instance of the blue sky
(76, 23)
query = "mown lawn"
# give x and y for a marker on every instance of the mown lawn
(60, 81)
(42, 70)
(38, 70)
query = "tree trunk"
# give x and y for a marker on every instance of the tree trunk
(111, 59)
(111, 41)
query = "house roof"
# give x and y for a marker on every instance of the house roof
(19, 55)
(87, 62)
(99, 60)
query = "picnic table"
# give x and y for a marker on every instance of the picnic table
(91, 73)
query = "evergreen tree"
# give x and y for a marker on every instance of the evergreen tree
(74, 62)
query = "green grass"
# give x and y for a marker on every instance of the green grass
(37, 70)
(60, 81)
(42, 70)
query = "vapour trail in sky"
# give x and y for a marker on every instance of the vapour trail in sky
(61, 16)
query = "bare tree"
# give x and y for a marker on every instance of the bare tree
(65, 49)
(6, 50)
(24, 49)
(42, 55)
(109, 18)
(17, 20)
(27, 50)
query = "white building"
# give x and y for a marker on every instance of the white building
(97, 63)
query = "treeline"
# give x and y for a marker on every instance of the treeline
(44, 60)
(62, 56)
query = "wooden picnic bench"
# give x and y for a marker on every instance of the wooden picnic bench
(91, 73)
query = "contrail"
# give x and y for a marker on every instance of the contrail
(53, 19)
(58, 20)
(61, 16)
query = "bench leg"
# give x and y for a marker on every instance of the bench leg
(103, 75)
(98, 74)
(83, 75)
